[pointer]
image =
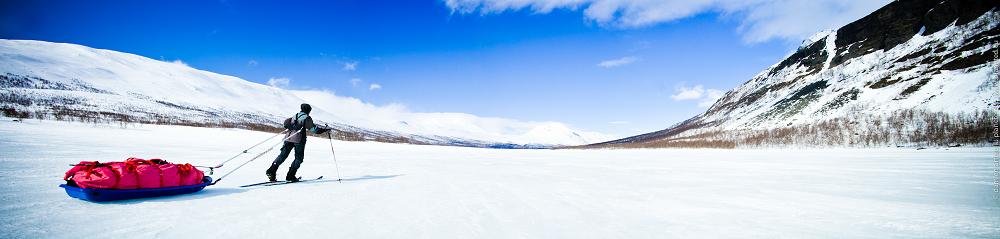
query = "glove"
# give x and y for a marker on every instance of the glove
(322, 130)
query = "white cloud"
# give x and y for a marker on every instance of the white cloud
(760, 20)
(711, 95)
(350, 66)
(396, 117)
(374, 86)
(620, 122)
(798, 19)
(279, 82)
(179, 62)
(685, 93)
(618, 62)
(355, 81)
(705, 97)
(252, 63)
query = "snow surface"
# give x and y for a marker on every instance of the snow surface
(136, 84)
(409, 191)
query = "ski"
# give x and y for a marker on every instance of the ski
(287, 182)
(258, 184)
(278, 182)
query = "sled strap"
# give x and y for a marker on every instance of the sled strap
(244, 163)
(211, 169)
(254, 158)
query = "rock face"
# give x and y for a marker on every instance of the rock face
(891, 77)
(899, 21)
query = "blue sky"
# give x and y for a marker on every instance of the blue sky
(534, 60)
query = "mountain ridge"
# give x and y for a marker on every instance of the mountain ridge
(73, 82)
(926, 58)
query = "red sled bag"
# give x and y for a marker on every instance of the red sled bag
(169, 177)
(189, 174)
(128, 177)
(149, 174)
(83, 165)
(92, 175)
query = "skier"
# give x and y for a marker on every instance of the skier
(295, 138)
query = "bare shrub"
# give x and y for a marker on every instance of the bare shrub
(909, 127)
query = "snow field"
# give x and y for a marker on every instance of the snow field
(411, 191)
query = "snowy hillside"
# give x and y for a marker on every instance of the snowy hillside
(415, 191)
(66, 81)
(918, 71)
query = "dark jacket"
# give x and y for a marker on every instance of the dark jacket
(299, 136)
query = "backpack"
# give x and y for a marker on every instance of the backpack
(295, 126)
(295, 122)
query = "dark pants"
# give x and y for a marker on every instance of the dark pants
(285, 150)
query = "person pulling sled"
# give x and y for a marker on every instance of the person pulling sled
(295, 138)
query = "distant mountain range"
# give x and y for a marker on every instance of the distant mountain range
(914, 72)
(73, 82)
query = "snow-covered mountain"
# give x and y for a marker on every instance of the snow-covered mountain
(67, 81)
(914, 71)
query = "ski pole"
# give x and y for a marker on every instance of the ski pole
(335, 165)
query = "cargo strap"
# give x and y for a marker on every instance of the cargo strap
(254, 157)
(211, 169)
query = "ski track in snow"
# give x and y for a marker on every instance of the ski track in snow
(409, 191)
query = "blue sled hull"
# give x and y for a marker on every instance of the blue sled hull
(101, 195)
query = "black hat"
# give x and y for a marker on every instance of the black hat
(306, 108)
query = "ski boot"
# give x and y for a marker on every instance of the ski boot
(291, 175)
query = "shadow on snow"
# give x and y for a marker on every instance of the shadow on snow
(366, 177)
(209, 192)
